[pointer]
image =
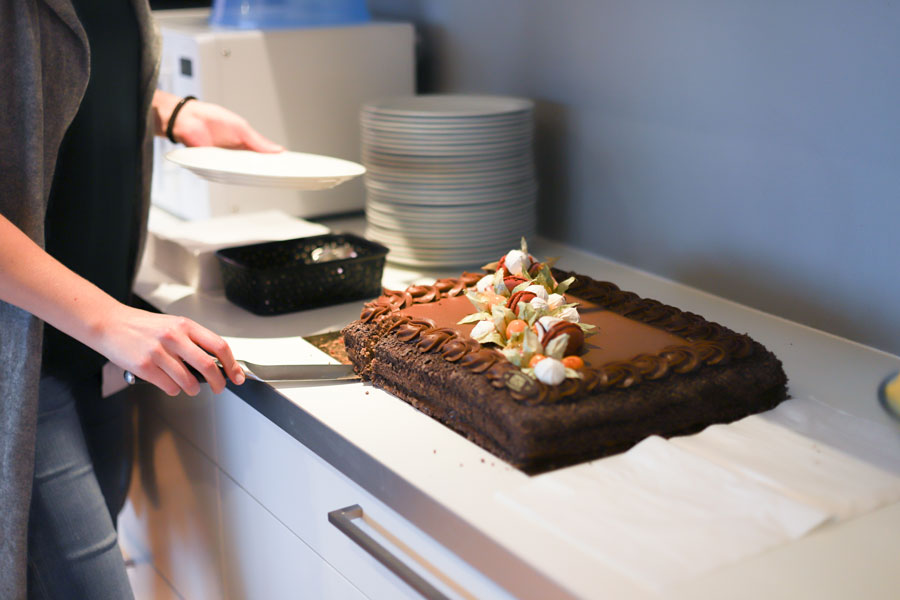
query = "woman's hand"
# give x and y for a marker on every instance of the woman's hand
(156, 348)
(153, 346)
(204, 124)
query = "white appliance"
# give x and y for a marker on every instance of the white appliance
(302, 88)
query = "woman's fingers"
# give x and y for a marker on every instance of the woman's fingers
(168, 374)
(161, 348)
(253, 140)
(200, 348)
(219, 349)
(207, 124)
(160, 379)
(187, 353)
(177, 372)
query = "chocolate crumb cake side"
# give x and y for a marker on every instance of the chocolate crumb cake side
(644, 368)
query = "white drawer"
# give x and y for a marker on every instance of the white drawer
(205, 534)
(300, 489)
(172, 516)
(263, 560)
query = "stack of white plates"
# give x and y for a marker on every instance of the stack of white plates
(450, 178)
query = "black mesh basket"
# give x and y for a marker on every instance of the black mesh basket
(273, 278)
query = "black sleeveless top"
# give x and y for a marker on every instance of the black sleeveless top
(91, 215)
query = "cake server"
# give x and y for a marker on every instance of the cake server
(330, 342)
(275, 373)
(279, 373)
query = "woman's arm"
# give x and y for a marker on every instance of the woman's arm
(152, 346)
(204, 124)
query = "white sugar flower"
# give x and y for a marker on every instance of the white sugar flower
(485, 284)
(483, 328)
(554, 301)
(550, 371)
(538, 303)
(516, 262)
(544, 324)
(538, 290)
(547, 322)
(569, 314)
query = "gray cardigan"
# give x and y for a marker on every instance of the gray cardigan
(44, 68)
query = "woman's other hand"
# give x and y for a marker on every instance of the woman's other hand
(201, 123)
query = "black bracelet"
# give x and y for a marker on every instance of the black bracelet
(171, 126)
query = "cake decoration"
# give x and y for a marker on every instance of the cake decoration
(548, 377)
(522, 309)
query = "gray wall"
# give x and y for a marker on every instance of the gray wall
(747, 148)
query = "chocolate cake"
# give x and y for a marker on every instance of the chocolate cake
(635, 367)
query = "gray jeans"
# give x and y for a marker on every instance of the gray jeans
(72, 544)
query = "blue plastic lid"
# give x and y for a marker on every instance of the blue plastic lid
(284, 14)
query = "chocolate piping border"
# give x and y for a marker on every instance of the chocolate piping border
(709, 343)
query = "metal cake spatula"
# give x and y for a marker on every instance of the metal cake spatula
(278, 373)
(275, 373)
(286, 373)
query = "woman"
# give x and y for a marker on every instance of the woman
(79, 108)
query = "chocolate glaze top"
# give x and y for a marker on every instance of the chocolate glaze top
(638, 339)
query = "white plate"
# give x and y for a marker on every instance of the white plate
(448, 106)
(450, 179)
(477, 188)
(437, 217)
(403, 128)
(419, 133)
(449, 257)
(448, 150)
(438, 121)
(421, 196)
(456, 240)
(438, 213)
(462, 234)
(398, 146)
(295, 170)
(480, 187)
(472, 162)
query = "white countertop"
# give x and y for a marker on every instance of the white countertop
(852, 558)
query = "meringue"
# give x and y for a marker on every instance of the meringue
(538, 290)
(483, 328)
(516, 262)
(569, 314)
(485, 284)
(550, 371)
(543, 325)
(538, 303)
(554, 301)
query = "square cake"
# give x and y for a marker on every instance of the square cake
(545, 368)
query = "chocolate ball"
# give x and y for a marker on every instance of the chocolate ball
(576, 336)
(521, 296)
(511, 281)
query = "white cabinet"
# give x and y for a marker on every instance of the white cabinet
(263, 559)
(226, 504)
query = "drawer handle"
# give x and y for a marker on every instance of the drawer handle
(342, 518)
